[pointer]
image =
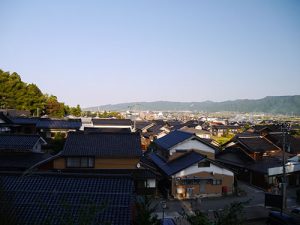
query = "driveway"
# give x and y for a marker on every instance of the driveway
(254, 209)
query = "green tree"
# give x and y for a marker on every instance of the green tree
(76, 111)
(145, 209)
(16, 94)
(232, 214)
(54, 108)
(198, 218)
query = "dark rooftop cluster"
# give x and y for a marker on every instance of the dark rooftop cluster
(18, 142)
(103, 144)
(46, 199)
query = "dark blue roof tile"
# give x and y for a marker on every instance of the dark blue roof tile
(112, 122)
(58, 124)
(18, 142)
(36, 199)
(178, 164)
(103, 144)
(24, 120)
(173, 138)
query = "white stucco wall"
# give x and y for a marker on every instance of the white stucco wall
(211, 169)
(192, 144)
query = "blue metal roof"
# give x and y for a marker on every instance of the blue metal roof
(173, 138)
(178, 164)
(36, 199)
(168, 221)
(24, 120)
(103, 145)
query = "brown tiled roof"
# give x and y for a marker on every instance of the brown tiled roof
(256, 144)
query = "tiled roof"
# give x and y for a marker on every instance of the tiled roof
(9, 162)
(24, 120)
(142, 124)
(269, 127)
(264, 164)
(234, 156)
(225, 127)
(178, 164)
(112, 122)
(58, 124)
(156, 129)
(292, 142)
(18, 142)
(5, 118)
(194, 131)
(173, 138)
(106, 130)
(257, 144)
(37, 199)
(103, 145)
(191, 123)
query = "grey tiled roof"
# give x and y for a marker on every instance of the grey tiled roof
(18, 142)
(58, 124)
(112, 122)
(257, 144)
(114, 145)
(36, 199)
(24, 120)
(13, 161)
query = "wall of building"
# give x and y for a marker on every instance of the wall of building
(209, 189)
(196, 145)
(59, 163)
(213, 169)
(101, 163)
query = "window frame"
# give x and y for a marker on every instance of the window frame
(90, 162)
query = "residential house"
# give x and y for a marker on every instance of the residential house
(66, 198)
(113, 123)
(193, 175)
(48, 128)
(25, 125)
(188, 166)
(102, 153)
(251, 155)
(223, 130)
(200, 133)
(5, 123)
(20, 152)
(142, 127)
(179, 142)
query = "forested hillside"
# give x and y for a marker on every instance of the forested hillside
(270, 104)
(16, 94)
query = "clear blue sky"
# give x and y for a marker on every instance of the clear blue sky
(100, 52)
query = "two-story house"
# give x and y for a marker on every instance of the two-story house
(188, 166)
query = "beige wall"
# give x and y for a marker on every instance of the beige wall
(116, 163)
(101, 163)
(210, 189)
(59, 163)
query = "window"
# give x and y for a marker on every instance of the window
(204, 164)
(80, 162)
(217, 182)
(151, 183)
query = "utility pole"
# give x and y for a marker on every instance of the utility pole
(284, 130)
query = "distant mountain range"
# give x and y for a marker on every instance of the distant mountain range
(270, 104)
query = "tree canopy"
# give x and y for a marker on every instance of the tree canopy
(16, 94)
